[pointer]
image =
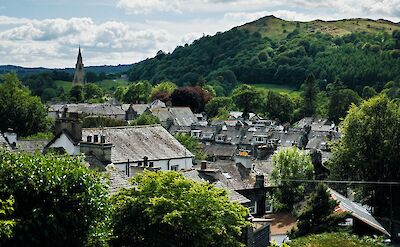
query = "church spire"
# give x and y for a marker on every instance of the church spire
(79, 76)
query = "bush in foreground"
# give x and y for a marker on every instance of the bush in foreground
(165, 209)
(57, 200)
(336, 240)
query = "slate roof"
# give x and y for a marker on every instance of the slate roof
(31, 146)
(235, 176)
(136, 142)
(104, 109)
(218, 150)
(139, 108)
(4, 143)
(357, 211)
(182, 116)
(287, 138)
(234, 196)
(118, 179)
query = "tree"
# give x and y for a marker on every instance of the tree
(58, 200)
(290, 164)
(318, 215)
(368, 92)
(194, 97)
(119, 93)
(340, 100)
(19, 110)
(279, 106)
(247, 98)
(192, 144)
(309, 92)
(92, 92)
(96, 122)
(138, 92)
(145, 119)
(217, 105)
(165, 209)
(76, 94)
(369, 151)
(163, 91)
(7, 223)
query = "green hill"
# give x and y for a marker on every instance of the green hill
(274, 51)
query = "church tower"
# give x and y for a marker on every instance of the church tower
(79, 76)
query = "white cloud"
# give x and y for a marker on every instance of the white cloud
(47, 42)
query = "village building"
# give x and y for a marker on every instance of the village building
(88, 110)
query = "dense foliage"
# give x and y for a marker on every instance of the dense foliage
(192, 144)
(264, 52)
(95, 122)
(145, 119)
(289, 165)
(7, 223)
(19, 110)
(369, 151)
(165, 209)
(318, 215)
(58, 201)
(336, 240)
(194, 97)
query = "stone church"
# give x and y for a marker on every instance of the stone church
(79, 76)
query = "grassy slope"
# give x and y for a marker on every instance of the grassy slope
(273, 27)
(107, 85)
(279, 88)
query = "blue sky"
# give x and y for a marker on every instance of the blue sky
(47, 32)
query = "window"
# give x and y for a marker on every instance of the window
(174, 168)
(151, 164)
(268, 205)
(260, 139)
(253, 207)
(140, 163)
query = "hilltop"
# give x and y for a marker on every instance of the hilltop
(272, 27)
(270, 50)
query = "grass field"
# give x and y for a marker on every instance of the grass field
(279, 88)
(107, 85)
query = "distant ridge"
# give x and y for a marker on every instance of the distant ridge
(23, 71)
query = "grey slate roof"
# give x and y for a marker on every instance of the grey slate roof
(136, 142)
(233, 195)
(139, 108)
(31, 146)
(357, 211)
(219, 150)
(118, 179)
(104, 109)
(4, 143)
(182, 116)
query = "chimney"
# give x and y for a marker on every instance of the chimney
(69, 122)
(103, 139)
(96, 138)
(203, 165)
(89, 138)
(259, 181)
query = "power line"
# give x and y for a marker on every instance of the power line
(342, 181)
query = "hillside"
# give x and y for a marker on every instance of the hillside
(274, 51)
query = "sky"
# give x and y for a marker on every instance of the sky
(47, 33)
